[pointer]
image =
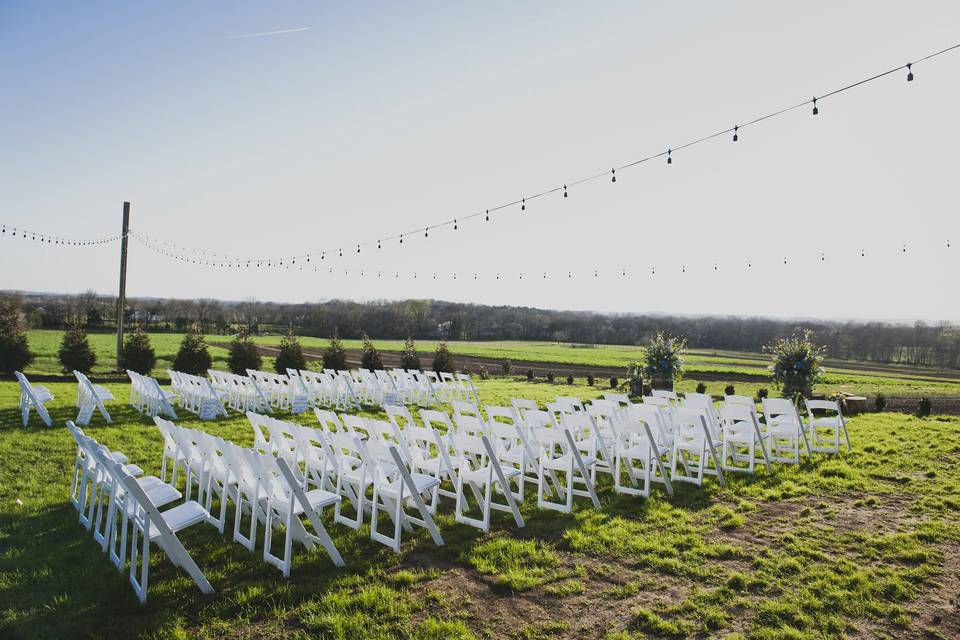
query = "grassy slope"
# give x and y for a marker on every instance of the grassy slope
(850, 545)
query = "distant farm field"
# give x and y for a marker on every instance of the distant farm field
(747, 371)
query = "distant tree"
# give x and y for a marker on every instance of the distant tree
(15, 352)
(409, 359)
(138, 355)
(443, 359)
(335, 357)
(193, 356)
(291, 354)
(370, 359)
(243, 354)
(75, 353)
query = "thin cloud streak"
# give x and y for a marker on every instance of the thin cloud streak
(272, 33)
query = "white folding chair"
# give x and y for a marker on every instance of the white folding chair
(285, 503)
(639, 441)
(697, 446)
(150, 526)
(393, 486)
(742, 438)
(480, 470)
(33, 397)
(826, 427)
(784, 430)
(91, 397)
(560, 454)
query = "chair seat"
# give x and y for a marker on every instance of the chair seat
(833, 421)
(317, 498)
(639, 450)
(740, 432)
(43, 394)
(512, 455)
(160, 493)
(422, 483)
(180, 517)
(103, 392)
(481, 474)
(133, 470)
(696, 442)
(563, 462)
(433, 465)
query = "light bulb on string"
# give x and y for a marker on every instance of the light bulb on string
(862, 253)
(669, 156)
(653, 271)
(401, 238)
(488, 215)
(823, 258)
(613, 175)
(904, 250)
(909, 72)
(735, 136)
(358, 247)
(815, 110)
(454, 224)
(341, 253)
(426, 232)
(378, 244)
(564, 191)
(714, 266)
(523, 204)
(683, 268)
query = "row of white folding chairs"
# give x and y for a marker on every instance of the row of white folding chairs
(463, 451)
(283, 392)
(121, 506)
(146, 396)
(239, 392)
(351, 465)
(266, 490)
(787, 433)
(321, 388)
(197, 395)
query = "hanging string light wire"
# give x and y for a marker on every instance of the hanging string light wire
(9, 231)
(563, 187)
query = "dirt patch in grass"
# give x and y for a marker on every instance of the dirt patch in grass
(606, 594)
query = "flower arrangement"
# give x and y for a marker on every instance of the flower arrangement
(796, 363)
(663, 360)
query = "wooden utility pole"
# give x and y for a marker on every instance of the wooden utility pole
(122, 298)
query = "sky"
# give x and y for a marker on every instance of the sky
(281, 129)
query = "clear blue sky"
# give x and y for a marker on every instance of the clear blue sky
(375, 118)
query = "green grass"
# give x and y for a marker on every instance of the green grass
(842, 546)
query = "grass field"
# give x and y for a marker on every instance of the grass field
(749, 370)
(863, 545)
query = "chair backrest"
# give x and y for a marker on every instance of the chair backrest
(744, 400)
(522, 405)
(620, 398)
(779, 408)
(733, 412)
(433, 419)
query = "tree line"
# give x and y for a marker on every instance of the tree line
(919, 344)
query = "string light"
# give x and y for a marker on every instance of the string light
(815, 103)
(488, 215)
(613, 175)
(909, 72)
